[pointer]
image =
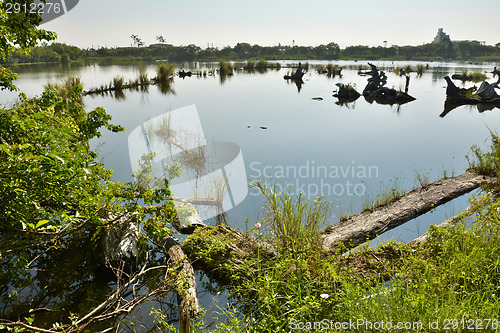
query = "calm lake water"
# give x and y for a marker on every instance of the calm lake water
(349, 154)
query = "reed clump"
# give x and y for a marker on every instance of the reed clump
(165, 71)
(249, 66)
(65, 85)
(118, 82)
(225, 67)
(421, 69)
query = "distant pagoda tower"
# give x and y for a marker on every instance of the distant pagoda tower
(441, 36)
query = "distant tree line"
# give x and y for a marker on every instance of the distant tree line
(446, 50)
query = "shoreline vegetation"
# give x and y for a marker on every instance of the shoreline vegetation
(81, 252)
(444, 51)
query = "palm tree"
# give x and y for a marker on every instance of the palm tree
(134, 38)
(161, 39)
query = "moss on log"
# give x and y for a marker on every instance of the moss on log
(186, 285)
(221, 252)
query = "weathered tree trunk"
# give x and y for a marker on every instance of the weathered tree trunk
(186, 285)
(368, 225)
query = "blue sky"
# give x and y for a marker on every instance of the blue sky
(226, 22)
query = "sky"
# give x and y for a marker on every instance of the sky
(110, 23)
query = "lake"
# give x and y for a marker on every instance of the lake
(349, 154)
(290, 137)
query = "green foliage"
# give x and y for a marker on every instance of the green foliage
(18, 30)
(454, 273)
(7, 78)
(48, 168)
(57, 200)
(486, 163)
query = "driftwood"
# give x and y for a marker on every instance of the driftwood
(186, 285)
(183, 74)
(375, 90)
(346, 93)
(120, 246)
(369, 224)
(485, 98)
(299, 73)
(485, 94)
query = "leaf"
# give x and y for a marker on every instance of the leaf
(40, 223)
(6, 149)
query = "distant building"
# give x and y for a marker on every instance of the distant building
(441, 36)
(152, 46)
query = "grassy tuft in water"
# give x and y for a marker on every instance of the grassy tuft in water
(225, 67)
(165, 71)
(65, 85)
(118, 82)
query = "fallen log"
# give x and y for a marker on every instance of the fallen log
(369, 224)
(187, 298)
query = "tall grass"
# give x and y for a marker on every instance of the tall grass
(165, 71)
(486, 163)
(249, 66)
(321, 69)
(450, 280)
(226, 68)
(118, 82)
(65, 85)
(421, 69)
(295, 223)
(474, 76)
(143, 78)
